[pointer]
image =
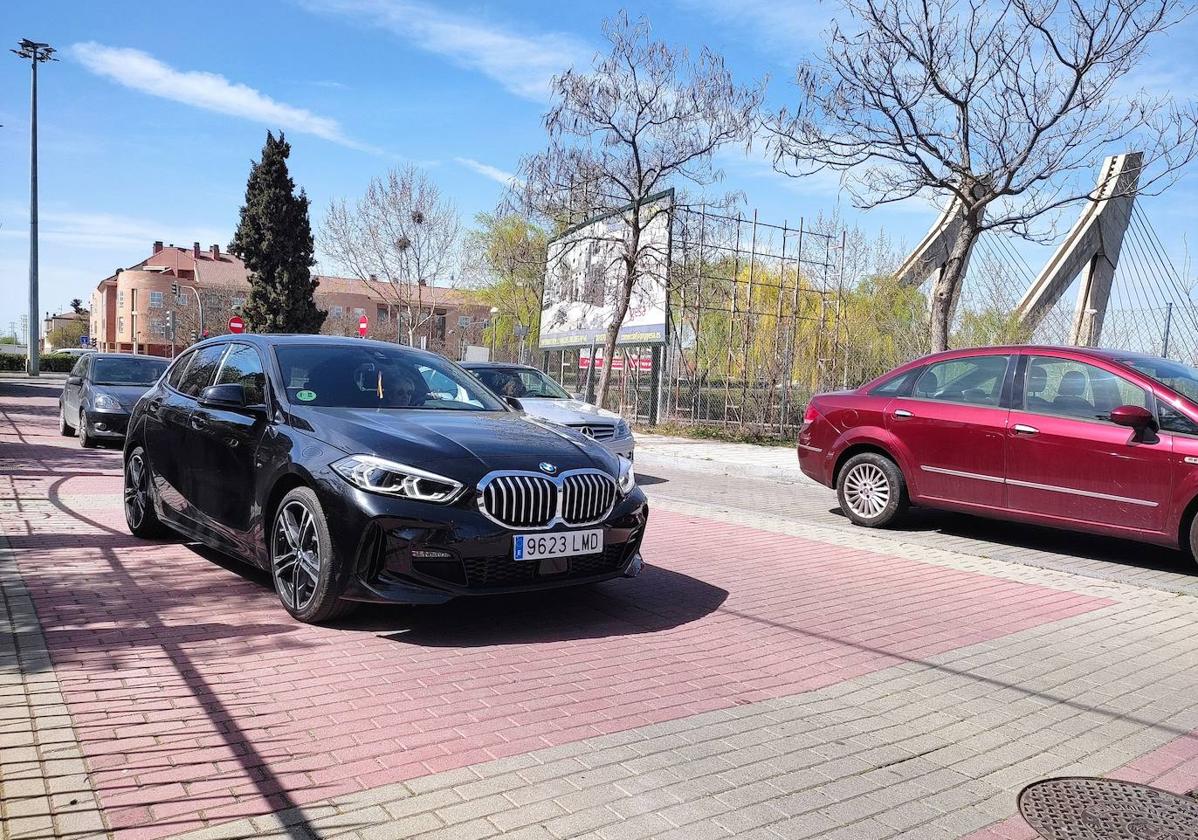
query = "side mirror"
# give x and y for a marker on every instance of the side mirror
(514, 403)
(581, 397)
(230, 396)
(1133, 416)
(74, 380)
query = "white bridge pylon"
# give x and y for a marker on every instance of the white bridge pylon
(932, 252)
(1092, 246)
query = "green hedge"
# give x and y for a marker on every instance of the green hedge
(53, 363)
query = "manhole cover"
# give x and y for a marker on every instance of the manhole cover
(1105, 809)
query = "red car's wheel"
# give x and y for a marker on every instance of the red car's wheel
(871, 490)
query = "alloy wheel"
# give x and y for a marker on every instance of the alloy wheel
(295, 555)
(866, 490)
(137, 494)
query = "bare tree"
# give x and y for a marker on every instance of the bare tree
(645, 117)
(993, 105)
(400, 239)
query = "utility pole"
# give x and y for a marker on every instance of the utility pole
(37, 53)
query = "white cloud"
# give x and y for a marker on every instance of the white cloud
(522, 63)
(212, 92)
(486, 170)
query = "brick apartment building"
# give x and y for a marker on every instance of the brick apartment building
(129, 309)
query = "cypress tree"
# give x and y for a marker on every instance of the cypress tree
(274, 239)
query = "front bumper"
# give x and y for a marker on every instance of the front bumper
(403, 558)
(624, 447)
(107, 425)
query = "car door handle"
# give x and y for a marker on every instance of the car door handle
(152, 407)
(198, 423)
(1022, 429)
(903, 414)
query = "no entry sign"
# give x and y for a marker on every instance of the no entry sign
(236, 325)
(363, 326)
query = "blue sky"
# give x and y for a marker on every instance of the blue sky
(151, 118)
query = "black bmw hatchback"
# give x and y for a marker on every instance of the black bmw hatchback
(358, 471)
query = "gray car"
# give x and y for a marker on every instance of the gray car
(545, 399)
(101, 390)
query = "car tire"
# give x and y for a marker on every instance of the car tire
(1193, 539)
(871, 490)
(64, 428)
(304, 562)
(140, 515)
(85, 440)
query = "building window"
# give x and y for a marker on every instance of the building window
(336, 312)
(157, 325)
(359, 311)
(155, 300)
(439, 326)
(120, 324)
(464, 320)
(120, 299)
(238, 302)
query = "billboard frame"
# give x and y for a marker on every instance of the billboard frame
(667, 262)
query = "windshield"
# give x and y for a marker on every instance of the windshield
(1181, 378)
(134, 370)
(521, 382)
(370, 377)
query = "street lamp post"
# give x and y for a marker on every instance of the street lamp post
(494, 327)
(37, 53)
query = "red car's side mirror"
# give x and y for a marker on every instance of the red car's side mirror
(1133, 416)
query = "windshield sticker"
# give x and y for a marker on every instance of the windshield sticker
(306, 395)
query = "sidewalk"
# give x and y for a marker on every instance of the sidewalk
(773, 463)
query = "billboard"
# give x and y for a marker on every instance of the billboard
(583, 273)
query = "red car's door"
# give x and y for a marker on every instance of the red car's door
(1067, 460)
(953, 427)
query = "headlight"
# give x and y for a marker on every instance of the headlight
(627, 477)
(622, 430)
(378, 475)
(105, 402)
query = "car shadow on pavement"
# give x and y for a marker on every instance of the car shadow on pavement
(649, 480)
(1018, 535)
(659, 599)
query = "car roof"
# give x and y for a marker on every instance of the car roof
(265, 340)
(1106, 354)
(497, 366)
(95, 355)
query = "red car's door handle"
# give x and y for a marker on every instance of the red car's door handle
(1021, 429)
(903, 414)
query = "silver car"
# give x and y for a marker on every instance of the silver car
(545, 399)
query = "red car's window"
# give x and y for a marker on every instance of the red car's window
(1070, 388)
(975, 380)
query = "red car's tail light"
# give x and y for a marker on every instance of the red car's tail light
(810, 415)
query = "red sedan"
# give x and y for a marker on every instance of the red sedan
(1093, 440)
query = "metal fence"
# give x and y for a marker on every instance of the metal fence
(764, 315)
(755, 326)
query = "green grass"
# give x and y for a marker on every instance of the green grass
(729, 434)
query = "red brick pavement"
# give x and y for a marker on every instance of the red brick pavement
(197, 699)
